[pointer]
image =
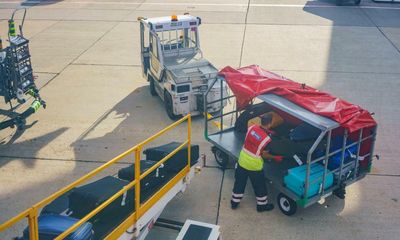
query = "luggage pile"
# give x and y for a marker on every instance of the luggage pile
(293, 140)
(66, 210)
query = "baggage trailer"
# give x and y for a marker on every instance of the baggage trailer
(122, 207)
(316, 177)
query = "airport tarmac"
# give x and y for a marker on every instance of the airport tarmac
(86, 55)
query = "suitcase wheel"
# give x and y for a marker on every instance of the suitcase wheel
(286, 204)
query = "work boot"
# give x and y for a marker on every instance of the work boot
(234, 205)
(265, 208)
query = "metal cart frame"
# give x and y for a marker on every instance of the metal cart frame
(17, 81)
(227, 144)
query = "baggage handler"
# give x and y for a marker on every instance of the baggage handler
(250, 164)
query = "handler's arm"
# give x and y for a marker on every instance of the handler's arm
(267, 155)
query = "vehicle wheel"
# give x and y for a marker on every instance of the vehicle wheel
(357, 2)
(168, 107)
(221, 158)
(339, 2)
(340, 192)
(286, 205)
(152, 87)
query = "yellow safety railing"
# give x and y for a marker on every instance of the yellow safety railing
(33, 212)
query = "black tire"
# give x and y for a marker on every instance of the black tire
(341, 191)
(152, 87)
(169, 107)
(221, 158)
(357, 2)
(339, 2)
(286, 204)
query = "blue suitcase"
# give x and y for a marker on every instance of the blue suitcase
(296, 177)
(349, 154)
(50, 226)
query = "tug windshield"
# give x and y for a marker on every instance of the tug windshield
(178, 39)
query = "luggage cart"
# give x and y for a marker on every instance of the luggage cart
(227, 143)
(146, 209)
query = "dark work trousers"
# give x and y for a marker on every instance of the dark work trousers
(257, 179)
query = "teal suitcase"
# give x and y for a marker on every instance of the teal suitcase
(296, 178)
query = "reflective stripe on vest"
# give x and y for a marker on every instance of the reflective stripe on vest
(250, 162)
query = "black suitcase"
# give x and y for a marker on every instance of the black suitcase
(304, 132)
(86, 198)
(250, 112)
(151, 181)
(178, 161)
(59, 206)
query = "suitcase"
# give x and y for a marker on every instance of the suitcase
(151, 181)
(59, 206)
(50, 226)
(349, 155)
(296, 177)
(251, 111)
(304, 132)
(288, 148)
(178, 161)
(86, 198)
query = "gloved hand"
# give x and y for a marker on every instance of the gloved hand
(278, 159)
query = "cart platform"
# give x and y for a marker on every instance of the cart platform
(229, 140)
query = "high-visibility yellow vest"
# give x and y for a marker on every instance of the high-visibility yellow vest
(250, 162)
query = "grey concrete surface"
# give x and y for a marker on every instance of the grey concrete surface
(393, 34)
(384, 17)
(63, 42)
(86, 56)
(320, 48)
(115, 48)
(354, 218)
(308, 15)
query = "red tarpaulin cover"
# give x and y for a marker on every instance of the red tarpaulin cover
(251, 81)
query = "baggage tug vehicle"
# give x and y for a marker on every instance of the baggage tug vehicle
(173, 64)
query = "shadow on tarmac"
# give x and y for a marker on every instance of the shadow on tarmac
(133, 124)
(28, 148)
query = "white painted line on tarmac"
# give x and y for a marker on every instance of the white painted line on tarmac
(208, 4)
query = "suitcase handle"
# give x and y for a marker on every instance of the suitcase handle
(123, 202)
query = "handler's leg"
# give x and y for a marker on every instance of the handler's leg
(260, 188)
(239, 186)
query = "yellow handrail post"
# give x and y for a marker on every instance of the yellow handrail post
(33, 224)
(137, 179)
(189, 140)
